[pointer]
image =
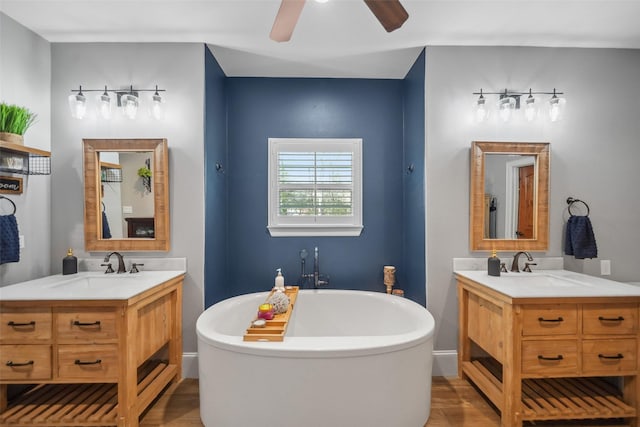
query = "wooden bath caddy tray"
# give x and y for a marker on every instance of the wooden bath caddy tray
(275, 328)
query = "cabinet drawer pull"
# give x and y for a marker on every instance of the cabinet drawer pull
(617, 356)
(12, 364)
(542, 319)
(78, 323)
(611, 319)
(80, 362)
(15, 324)
(558, 357)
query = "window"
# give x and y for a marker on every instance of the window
(315, 187)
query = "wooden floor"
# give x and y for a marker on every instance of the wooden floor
(454, 403)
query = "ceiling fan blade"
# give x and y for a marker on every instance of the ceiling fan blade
(390, 13)
(286, 20)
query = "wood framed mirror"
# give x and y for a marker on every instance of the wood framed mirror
(509, 198)
(126, 195)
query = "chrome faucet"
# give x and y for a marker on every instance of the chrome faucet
(121, 268)
(514, 265)
(318, 279)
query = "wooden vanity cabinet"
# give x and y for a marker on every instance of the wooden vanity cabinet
(547, 358)
(94, 362)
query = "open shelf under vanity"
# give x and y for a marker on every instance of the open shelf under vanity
(83, 404)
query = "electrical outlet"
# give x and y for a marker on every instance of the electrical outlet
(127, 209)
(605, 267)
(21, 239)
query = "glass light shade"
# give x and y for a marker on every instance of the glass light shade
(104, 106)
(556, 108)
(157, 107)
(505, 107)
(482, 113)
(531, 108)
(129, 103)
(77, 105)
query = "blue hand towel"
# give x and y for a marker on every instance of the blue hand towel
(579, 238)
(9, 239)
(106, 231)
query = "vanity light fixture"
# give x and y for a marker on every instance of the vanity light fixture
(556, 107)
(481, 109)
(157, 107)
(509, 103)
(77, 104)
(104, 104)
(128, 100)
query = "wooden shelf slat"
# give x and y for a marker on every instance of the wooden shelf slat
(83, 404)
(553, 398)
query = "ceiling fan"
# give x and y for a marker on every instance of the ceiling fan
(390, 13)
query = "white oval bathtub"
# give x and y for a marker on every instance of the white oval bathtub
(349, 358)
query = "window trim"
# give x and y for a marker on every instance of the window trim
(331, 226)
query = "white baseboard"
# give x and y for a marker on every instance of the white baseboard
(189, 365)
(445, 364)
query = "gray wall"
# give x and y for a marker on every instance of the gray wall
(594, 153)
(178, 68)
(25, 64)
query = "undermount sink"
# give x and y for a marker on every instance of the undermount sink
(97, 282)
(545, 279)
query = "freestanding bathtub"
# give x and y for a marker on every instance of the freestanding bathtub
(349, 358)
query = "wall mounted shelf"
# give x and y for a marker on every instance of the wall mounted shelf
(15, 158)
(110, 172)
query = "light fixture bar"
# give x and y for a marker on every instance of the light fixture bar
(131, 89)
(509, 92)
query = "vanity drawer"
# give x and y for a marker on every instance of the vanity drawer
(552, 357)
(606, 357)
(22, 326)
(95, 362)
(609, 319)
(91, 325)
(559, 319)
(25, 362)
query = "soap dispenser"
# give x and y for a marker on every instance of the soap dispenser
(279, 282)
(69, 263)
(493, 264)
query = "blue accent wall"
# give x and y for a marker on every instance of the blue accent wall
(240, 255)
(215, 136)
(260, 108)
(413, 183)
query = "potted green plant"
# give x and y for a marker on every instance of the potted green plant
(145, 173)
(14, 122)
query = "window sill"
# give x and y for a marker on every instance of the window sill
(304, 231)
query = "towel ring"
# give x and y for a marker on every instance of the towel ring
(571, 201)
(10, 201)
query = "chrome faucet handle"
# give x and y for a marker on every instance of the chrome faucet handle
(109, 268)
(527, 266)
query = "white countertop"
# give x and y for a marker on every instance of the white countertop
(551, 283)
(86, 286)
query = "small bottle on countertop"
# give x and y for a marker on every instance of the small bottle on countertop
(69, 263)
(493, 264)
(279, 282)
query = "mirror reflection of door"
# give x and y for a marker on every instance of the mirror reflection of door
(526, 180)
(509, 196)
